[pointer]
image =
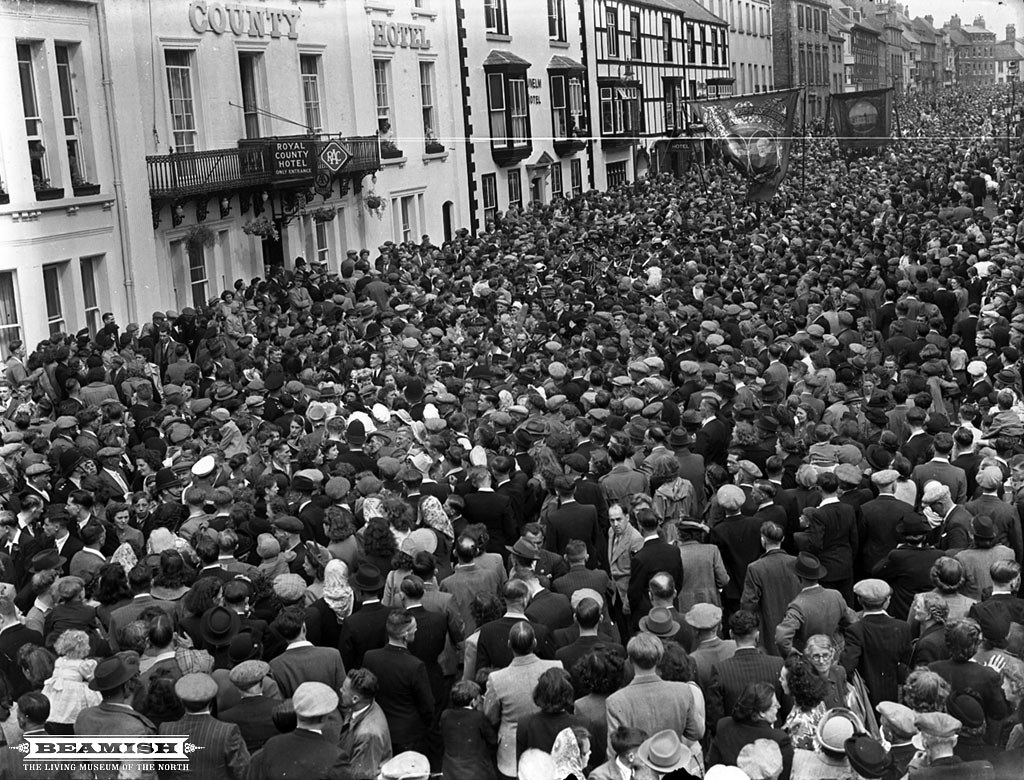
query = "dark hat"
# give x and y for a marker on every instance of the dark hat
(679, 437)
(47, 559)
(966, 708)
(524, 549)
(243, 647)
(867, 756)
(659, 622)
(983, 527)
(165, 479)
(114, 671)
(71, 459)
(224, 393)
(219, 626)
(914, 525)
(809, 567)
(878, 457)
(367, 579)
(355, 434)
(767, 424)
(576, 462)
(289, 523)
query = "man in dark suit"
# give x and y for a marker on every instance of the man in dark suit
(468, 580)
(918, 443)
(1003, 607)
(492, 509)
(588, 620)
(55, 531)
(712, 441)
(364, 629)
(545, 607)
(589, 493)
(403, 686)
(691, 464)
(571, 520)
(254, 712)
(655, 556)
(834, 531)
(14, 635)
(513, 484)
(738, 538)
(114, 715)
(492, 648)
(224, 755)
(306, 752)
(302, 661)
(879, 519)
(140, 579)
(878, 645)
(579, 576)
(770, 585)
(908, 568)
(748, 665)
(431, 634)
(941, 470)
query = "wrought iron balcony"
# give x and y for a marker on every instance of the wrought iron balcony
(257, 163)
(215, 170)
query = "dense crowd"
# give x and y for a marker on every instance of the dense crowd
(640, 484)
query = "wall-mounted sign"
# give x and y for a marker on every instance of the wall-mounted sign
(406, 36)
(293, 158)
(244, 20)
(536, 83)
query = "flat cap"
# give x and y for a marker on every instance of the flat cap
(885, 477)
(248, 673)
(731, 497)
(704, 617)
(937, 724)
(750, 468)
(990, 478)
(848, 473)
(872, 591)
(899, 717)
(314, 700)
(289, 587)
(288, 523)
(37, 468)
(934, 491)
(405, 766)
(65, 422)
(196, 687)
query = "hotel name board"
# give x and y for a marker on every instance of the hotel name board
(244, 20)
(406, 36)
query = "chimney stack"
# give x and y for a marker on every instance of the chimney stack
(1011, 33)
(930, 19)
(979, 21)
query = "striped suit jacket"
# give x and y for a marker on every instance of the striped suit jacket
(731, 676)
(224, 755)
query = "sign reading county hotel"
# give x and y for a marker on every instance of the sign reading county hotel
(243, 20)
(48, 753)
(292, 158)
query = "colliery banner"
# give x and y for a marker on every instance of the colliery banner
(756, 133)
(862, 120)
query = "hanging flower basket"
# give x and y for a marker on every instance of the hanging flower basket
(323, 213)
(389, 151)
(262, 227)
(199, 236)
(375, 204)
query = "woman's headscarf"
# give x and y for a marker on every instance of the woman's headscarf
(566, 755)
(337, 592)
(432, 515)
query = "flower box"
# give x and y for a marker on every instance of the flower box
(49, 193)
(85, 188)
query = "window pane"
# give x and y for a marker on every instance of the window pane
(179, 88)
(310, 66)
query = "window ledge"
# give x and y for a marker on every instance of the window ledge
(499, 38)
(436, 156)
(423, 13)
(379, 5)
(558, 44)
(398, 162)
(24, 210)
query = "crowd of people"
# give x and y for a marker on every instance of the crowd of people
(640, 484)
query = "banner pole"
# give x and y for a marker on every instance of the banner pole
(803, 154)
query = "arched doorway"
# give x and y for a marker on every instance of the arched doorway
(446, 216)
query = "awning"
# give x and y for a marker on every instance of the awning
(558, 62)
(505, 59)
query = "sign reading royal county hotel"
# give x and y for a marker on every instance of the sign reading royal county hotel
(48, 753)
(244, 20)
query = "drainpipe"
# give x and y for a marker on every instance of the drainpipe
(113, 139)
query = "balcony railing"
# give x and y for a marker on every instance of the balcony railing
(193, 173)
(253, 164)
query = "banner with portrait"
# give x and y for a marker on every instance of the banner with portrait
(755, 133)
(862, 120)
